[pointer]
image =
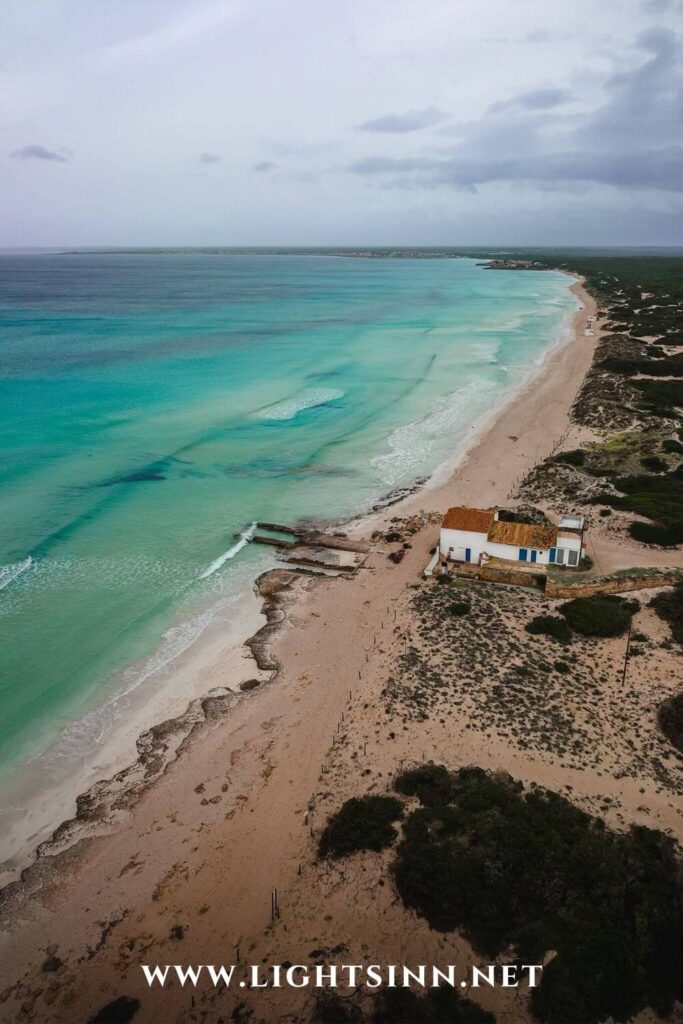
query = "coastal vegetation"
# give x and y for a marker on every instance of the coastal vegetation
(364, 823)
(483, 671)
(432, 784)
(632, 397)
(550, 625)
(523, 872)
(459, 608)
(403, 1006)
(600, 616)
(669, 606)
(670, 720)
(603, 615)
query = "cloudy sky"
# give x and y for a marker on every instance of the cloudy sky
(238, 122)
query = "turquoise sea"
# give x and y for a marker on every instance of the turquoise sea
(153, 405)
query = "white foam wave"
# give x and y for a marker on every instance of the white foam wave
(245, 537)
(410, 446)
(12, 570)
(288, 409)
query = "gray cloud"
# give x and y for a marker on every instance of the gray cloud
(209, 158)
(35, 152)
(665, 171)
(410, 121)
(536, 99)
(661, 6)
(264, 166)
(634, 140)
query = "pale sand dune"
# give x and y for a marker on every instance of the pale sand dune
(233, 817)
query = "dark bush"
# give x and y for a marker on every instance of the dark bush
(432, 784)
(439, 1006)
(363, 823)
(651, 533)
(527, 872)
(673, 447)
(573, 458)
(332, 1009)
(459, 608)
(661, 397)
(550, 625)
(669, 606)
(602, 615)
(119, 1011)
(670, 720)
(403, 1006)
(562, 667)
(604, 512)
(654, 464)
(659, 498)
(669, 366)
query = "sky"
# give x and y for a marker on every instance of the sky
(341, 122)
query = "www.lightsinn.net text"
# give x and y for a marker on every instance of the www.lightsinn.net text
(348, 976)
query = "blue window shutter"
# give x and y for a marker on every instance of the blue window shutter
(522, 554)
(551, 556)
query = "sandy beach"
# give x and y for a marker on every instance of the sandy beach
(176, 862)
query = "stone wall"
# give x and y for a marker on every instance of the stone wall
(615, 584)
(500, 574)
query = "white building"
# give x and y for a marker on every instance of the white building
(476, 535)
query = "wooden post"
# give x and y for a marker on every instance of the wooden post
(628, 644)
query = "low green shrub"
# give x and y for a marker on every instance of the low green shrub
(577, 457)
(654, 464)
(562, 667)
(673, 447)
(661, 397)
(402, 1006)
(657, 497)
(439, 1006)
(670, 720)
(669, 606)
(651, 533)
(362, 823)
(459, 608)
(521, 873)
(432, 784)
(601, 615)
(550, 625)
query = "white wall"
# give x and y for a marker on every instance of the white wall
(511, 552)
(459, 540)
(477, 542)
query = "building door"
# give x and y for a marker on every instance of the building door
(523, 554)
(533, 555)
(551, 556)
(468, 554)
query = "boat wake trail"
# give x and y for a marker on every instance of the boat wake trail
(14, 569)
(245, 537)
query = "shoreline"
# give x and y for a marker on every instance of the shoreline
(140, 756)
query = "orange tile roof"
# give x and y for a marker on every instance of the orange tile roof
(476, 520)
(523, 535)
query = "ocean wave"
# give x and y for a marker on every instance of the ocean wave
(411, 445)
(12, 570)
(288, 409)
(83, 735)
(230, 553)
